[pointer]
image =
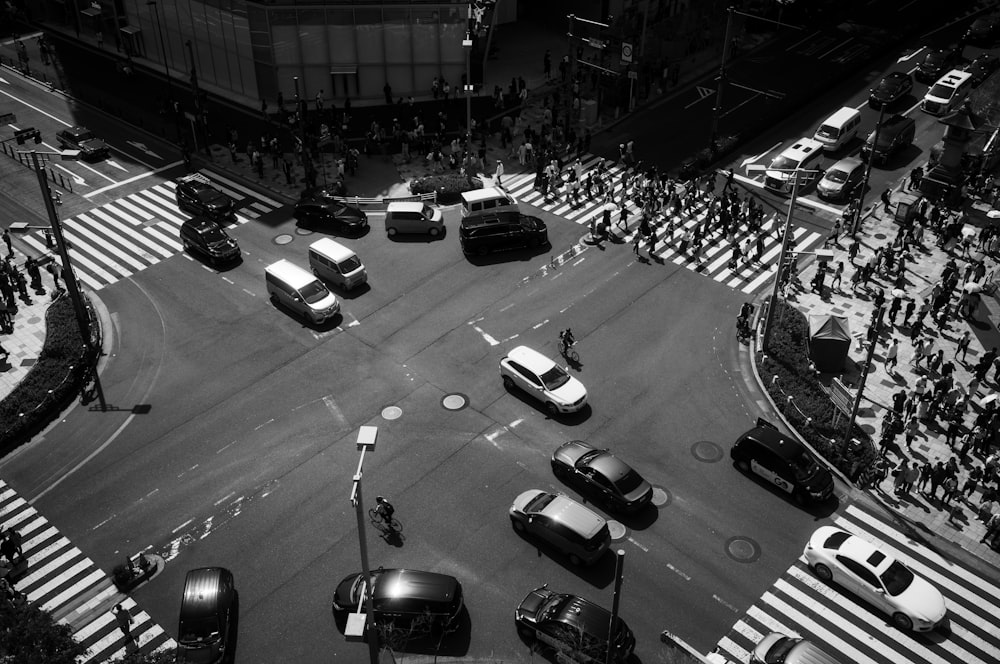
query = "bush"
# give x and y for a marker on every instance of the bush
(28, 635)
(788, 359)
(52, 382)
(449, 186)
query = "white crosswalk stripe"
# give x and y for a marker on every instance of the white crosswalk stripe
(748, 277)
(118, 239)
(58, 578)
(799, 604)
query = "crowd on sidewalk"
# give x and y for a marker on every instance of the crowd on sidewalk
(14, 286)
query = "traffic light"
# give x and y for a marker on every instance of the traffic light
(22, 135)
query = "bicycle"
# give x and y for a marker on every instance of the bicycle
(390, 527)
(566, 350)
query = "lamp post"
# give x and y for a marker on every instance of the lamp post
(875, 327)
(366, 442)
(72, 287)
(856, 221)
(796, 174)
(163, 46)
(467, 45)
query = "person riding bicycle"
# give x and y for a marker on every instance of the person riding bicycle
(567, 339)
(384, 509)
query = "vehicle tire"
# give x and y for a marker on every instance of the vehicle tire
(902, 622)
(517, 525)
(391, 232)
(743, 465)
(575, 560)
(508, 383)
(823, 572)
(434, 232)
(551, 408)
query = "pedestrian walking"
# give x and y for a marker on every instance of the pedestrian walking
(910, 475)
(916, 175)
(950, 486)
(124, 618)
(852, 252)
(635, 242)
(886, 201)
(910, 306)
(972, 482)
(938, 475)
(891, 356)
(54, 273)
(7, 240)
(838, 276)
(899, 476)
(925, 475)
(499, 173)
(963, 344)
(992, 527)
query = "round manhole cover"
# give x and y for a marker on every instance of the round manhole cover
(391, 412)
(617, 530)
(455, 401)
(661, 497)
(880, 236)
(742, 549)
(284, 238)
(302, 231)
(707, 451)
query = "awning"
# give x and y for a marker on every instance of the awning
(344, 69)
(91, 12)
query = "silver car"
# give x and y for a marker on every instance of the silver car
(563, 523)
(842, 179)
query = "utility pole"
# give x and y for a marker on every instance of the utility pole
(856, 221)
(467, 45)
(615, 601)
(717, 109)
(201, 128)
(367, 436)
(874, 330)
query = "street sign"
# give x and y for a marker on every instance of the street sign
(8, 118)
(633, 75)
(841, 396)
(626, 52)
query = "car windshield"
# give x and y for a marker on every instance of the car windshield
(199, 631)
(630, 482)
(784, 162)
(897, 578)
(804, 466)
(427, 211)
(314, 292)
(84, 136)
(539, 503)
(934, 59)
(836, 175)
(890, 85)
(351, 264)
(554, 378)
(552, 606)
(941, 91)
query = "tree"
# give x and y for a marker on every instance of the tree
(164, 656)
(28, 635)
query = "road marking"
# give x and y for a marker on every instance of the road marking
(645, 549)
(335, 409)
(183, 525)
(679, 573)
(911, 55)
(544, 322)
(131, 179)
(224, 498)
(516, 422)
(507, 307)
(725, 604)
(489, 339)
(843, 43)
(263, 424)
(750, 160)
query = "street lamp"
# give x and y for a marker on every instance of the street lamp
(357, 626)
(467, 45)
(72, 288)
(796, 174)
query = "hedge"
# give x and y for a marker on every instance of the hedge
(52, 382)
(788, 359)
(449, 186)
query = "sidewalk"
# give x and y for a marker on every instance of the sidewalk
(957, 522)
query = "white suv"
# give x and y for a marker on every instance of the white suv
(543, 379)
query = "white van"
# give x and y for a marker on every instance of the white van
(490, 199)
(413, 217)
(948, 93)
(336, 264)
(804, 154)
(839, 128)
(300, 290)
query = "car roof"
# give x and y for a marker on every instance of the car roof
(200, 223)
(585, 615)
(531, 359)
(865, 552)
(414, 584)
(483, 194)
(492, 218)
(573, 515)
(405, 206)
(847, 164)
(775, 441)
(802, 147)
(610, 466)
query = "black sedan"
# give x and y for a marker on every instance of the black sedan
(327, 211)
(612, 482)
(80, 138)
(196, 194)
(937, 62)
(983, 67)
(891, 89)
(983, 31)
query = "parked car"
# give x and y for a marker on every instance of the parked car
(784, 462)
(896, 134)
(983, 31)
(891, 89)
(983, 67)
(500, 231)
(842, 180)
(573, 627)
(326, 211)
(207, 616)
(574, 530)
(80, 138)
(542, 379)
(876, 577)
(209, 239)
(937, 61)
(612, 482)
(405, 598)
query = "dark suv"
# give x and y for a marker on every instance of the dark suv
(80, 138)
(896, 134)
(574, 627)
(404, 598)
(784, 462)
(209, 239)
(498, 231)
(892, 88)
(937, 62)
(195, 194)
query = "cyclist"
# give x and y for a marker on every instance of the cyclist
(385, 510)
(567, 339)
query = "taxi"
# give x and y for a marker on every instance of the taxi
(786, 463)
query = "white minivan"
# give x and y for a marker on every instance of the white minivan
(300, 290)
(413, 217)
(336, 264)
(487, 200)
(839, 128)
(947, 93)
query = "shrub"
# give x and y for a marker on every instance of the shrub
(788, 359)
(28, 635)
(449, 186)
(52, 382)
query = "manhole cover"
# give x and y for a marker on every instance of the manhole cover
(880, 236)
(284, 238)
(661, 497)
(455, 401)
(391, 412)
(742, 549)
(707, 451)
(617, 530)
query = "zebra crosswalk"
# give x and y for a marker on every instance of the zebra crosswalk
(61, 580)
(118, 239)
(799, 604)
(714, 260)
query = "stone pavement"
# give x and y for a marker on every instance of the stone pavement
(958, 522)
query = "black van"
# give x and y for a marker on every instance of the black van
(784, 462)
(896, 133)
(207, 615)
(498, 231)
(405, 598)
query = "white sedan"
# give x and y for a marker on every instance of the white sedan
(876, 577)
(543, 379)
